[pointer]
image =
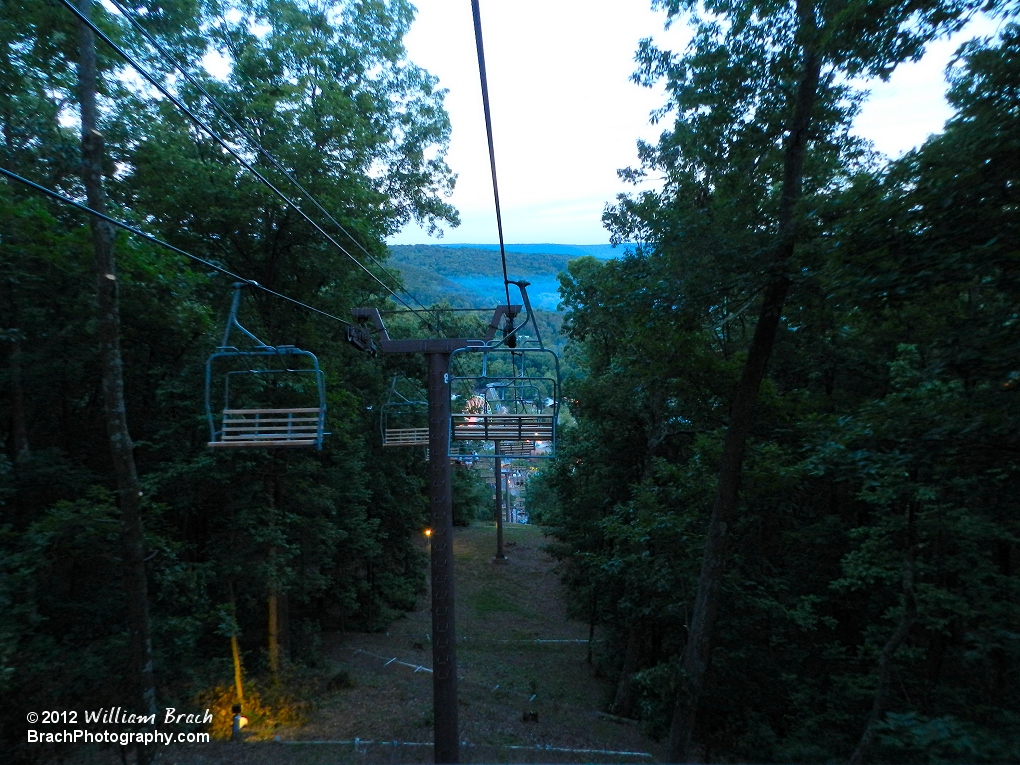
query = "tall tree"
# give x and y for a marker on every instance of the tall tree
(873, 562)
(760, 100)
(129, 488)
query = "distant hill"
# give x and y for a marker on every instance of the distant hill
(600, 251)
(470, 276)
(429, 286)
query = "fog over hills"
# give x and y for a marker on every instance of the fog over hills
(469, 275)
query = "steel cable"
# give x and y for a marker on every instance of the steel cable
(201, 123)
(254, 143)
(476, 14)
(149, 237)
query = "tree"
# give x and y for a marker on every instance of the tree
(329, 94)
(331, 535)
(779, 119)
(129, 488)
(870, 566)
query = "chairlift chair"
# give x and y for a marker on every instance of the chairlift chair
(506, 392)
(272, 396)
(403, 415)
(518, 449)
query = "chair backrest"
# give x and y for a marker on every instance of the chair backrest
(505, 394)
(502, 427)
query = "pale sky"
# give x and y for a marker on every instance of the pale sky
(566, 116)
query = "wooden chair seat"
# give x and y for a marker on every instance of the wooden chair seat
(406, 437)
(270, 427)
(502, 427)
(517, 448)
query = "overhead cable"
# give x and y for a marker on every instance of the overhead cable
(445, 310)
(488, 132)
(148, 237)
(215, 136)
(253, 142)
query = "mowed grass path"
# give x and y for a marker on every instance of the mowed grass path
(502, 612)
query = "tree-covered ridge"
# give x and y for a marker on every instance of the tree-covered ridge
(431, 287)
(467, 277)
(867, 602)
(455, 261)
(600, 251)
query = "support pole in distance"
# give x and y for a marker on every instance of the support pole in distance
(497, 472)
(509, 516)
(444, 647)
(444, 636)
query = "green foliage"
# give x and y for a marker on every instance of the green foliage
(911, 737)
(334, 534)
(472, 497)
(459, 261)
(879, 477)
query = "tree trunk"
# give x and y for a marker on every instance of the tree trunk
(592, 617)
(506, 497)
(497, 471)
(892, 644)
(283, 617)
(121, 448)
(236, 655)
(18, 445)
(235, 650)
(275, 622)
(623, 702)
(274, 634)
(697, 652)
(19, 428)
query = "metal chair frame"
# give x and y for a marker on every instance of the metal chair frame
(263, 427)
(398, 409)
(526, 404)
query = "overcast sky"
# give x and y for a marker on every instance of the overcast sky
(566, 115)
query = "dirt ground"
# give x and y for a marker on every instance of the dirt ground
(516, 651)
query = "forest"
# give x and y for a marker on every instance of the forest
(790, 495)
(785, 493)
(450, 261)
(319, 540)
